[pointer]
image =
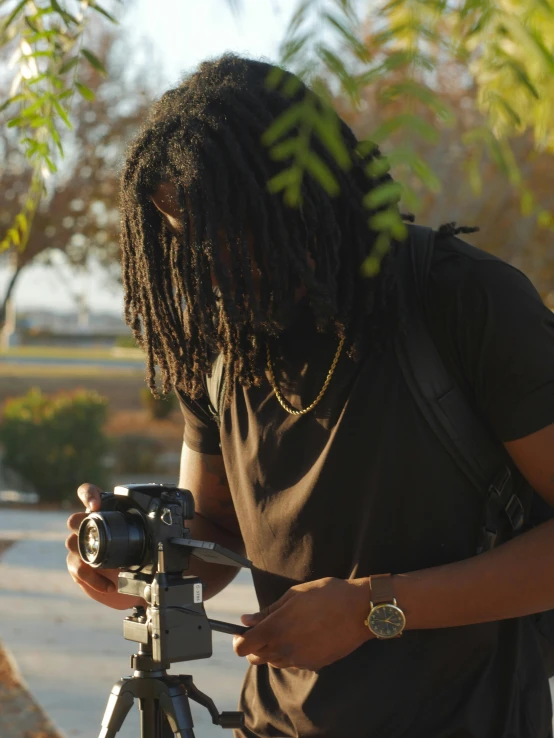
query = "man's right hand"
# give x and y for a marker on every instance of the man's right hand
(99, 584)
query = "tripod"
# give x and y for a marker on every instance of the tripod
(163, 702)
(174, 627)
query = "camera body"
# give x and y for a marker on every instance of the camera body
(133, 522)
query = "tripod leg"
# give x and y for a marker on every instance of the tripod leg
(153, 722)
(119, 704)
(177, 710)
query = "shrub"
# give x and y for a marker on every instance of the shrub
(158, 409)
(56, 442)
(136, 454)
(126, 341)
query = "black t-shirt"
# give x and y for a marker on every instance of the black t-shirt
(361, 486)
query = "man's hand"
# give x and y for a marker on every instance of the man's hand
(98, 584)
(310, 626)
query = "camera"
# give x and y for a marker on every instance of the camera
(131, 523)
(138, 521)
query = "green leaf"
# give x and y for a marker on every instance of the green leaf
(321, 173)
(282, 180)
(13, 236)
(13, 15)
(56, 137)
(68, 18)
(327, 129)
(384, 194)
(50, 164)
(284, 150)
(94, 61)
(291, 86)
(505, 105)
(11, 101)
(390, 221)
(546, 54)
(31, 25)
(298, 18)
(61, 112)
(353, 43)
(412, 123)
(102, 11)
(274, 78)
(523, 77)
(68, 65)
(85, 91)
(283, 124)
(411, 199)
(426, 174)
(22, 223)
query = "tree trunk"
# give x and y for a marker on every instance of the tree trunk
(8, 294)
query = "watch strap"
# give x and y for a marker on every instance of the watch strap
(381, 588)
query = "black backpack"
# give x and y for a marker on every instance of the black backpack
(510, 505)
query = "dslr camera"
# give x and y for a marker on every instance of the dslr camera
(141, 529)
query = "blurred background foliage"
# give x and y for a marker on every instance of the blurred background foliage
(55, 441)
(458, 95)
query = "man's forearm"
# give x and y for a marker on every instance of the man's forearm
(215, 577)
(513, 580)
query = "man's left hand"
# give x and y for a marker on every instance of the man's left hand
(312, 625)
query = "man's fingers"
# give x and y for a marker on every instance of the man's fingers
(75, 520)
(72, 544)
(86, 576)
(257, 617)
(89, 494)
(272, 659)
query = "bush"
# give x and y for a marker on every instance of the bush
(127, 341)
(136, 455)
(158, 409)
(56, 442)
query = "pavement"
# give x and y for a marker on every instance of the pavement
(70, 650)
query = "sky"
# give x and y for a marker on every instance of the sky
(183, 33)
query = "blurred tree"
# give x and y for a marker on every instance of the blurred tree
(45, 41)
(475, 190)
(78, 216)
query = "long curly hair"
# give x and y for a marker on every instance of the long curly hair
(204, 137)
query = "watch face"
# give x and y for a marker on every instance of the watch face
(386, 621)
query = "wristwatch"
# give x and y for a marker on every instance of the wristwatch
(385, 619)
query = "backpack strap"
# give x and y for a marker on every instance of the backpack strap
(442, 403)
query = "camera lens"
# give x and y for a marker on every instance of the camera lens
(91, 540)
(112, 540)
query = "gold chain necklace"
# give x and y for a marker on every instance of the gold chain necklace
(279, 395)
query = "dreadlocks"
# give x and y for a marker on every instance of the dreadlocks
(204, 137)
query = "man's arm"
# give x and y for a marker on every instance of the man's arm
(215, 520)
(513, 580)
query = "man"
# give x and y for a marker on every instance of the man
(323, 470)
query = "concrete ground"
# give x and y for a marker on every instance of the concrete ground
(70, 650)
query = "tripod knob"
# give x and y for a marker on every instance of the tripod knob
(231, 720)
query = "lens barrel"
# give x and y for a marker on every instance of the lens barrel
(112, 540)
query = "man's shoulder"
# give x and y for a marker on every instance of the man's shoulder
(461, 270)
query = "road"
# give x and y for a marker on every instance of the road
(70, 650)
